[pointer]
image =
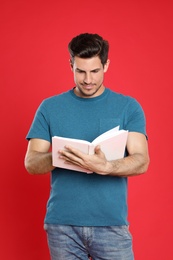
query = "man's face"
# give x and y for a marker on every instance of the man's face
(88, 76)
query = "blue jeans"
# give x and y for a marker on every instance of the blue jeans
(101, 243)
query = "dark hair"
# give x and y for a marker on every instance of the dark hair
(88, 45)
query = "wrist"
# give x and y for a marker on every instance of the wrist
(109, 168)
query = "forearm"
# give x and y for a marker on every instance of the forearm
(39, 162)
(129, 166)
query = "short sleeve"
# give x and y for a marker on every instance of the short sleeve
(135, 119)
(40, 125)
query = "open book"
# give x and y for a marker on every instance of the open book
(112, 144)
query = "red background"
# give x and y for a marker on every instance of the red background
(34, 65)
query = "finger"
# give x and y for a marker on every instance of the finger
(97, 149)
(76, 152)
(70, 157)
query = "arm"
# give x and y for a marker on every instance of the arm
(134, 164)
(38, 159)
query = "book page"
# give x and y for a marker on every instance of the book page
(69, 141)
(113, 147)
(106, 135)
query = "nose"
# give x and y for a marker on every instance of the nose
(87, 79)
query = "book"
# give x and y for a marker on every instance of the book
(112, 144)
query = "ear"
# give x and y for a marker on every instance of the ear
(106, 66)
(71, 64)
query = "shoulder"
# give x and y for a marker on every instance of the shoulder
(58, 97)
(55, 100)
(123, 99)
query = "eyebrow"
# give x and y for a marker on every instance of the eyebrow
(80, 70)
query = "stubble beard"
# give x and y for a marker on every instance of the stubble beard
(85, 94)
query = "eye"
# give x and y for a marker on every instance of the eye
(80, 71)
(95, 71)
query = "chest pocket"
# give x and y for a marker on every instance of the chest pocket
(108, 123)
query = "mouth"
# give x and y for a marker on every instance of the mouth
(88, 86)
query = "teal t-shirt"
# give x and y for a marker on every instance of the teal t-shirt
(77, 198)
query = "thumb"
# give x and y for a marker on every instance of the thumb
(97, 149)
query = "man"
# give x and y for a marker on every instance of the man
(87, 213)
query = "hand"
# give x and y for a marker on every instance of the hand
(96, 163)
